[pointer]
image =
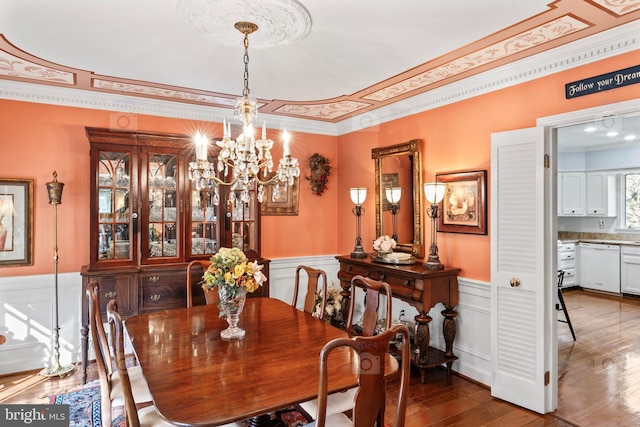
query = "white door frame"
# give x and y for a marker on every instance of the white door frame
(550, 124)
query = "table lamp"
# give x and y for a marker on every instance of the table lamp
(434, 192)
(358, 196)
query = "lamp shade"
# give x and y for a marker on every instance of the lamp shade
(393, 194)
(434, 192)
(358, 195)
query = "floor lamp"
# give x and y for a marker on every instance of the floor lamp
(54, 188)
(358, 195)
(434, 192)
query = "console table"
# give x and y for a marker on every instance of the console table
(422, 289)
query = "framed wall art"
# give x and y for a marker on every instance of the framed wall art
(464, 206)
(16, 222)
(286, 204)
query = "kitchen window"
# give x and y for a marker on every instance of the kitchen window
(632, 201)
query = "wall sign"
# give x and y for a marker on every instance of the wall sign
(615, 79)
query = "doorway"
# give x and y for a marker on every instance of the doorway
(565, 125)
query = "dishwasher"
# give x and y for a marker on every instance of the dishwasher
(600, 267)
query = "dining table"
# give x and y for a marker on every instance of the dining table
(196, 378)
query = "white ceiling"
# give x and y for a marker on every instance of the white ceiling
(351, 44)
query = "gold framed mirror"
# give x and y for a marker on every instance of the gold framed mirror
(399, 172)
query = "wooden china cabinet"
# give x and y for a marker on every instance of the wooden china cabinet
(147, 223)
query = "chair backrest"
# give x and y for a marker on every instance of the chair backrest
(117, 333)
(193, 266)
(313, 278)
(372, 289)
(101, 349)
(560, 278)
(369, 402)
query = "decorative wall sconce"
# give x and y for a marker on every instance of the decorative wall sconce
(434, 192)
(393, 195)
(358, 196)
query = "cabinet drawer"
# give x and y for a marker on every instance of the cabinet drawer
(162, 291)
(569, 277)
(565, 256)
(567, 247)
(120, 287)
(567, 264)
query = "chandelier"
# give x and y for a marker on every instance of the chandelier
(247, 159)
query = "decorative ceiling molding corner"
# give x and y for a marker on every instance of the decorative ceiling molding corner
(616, 41)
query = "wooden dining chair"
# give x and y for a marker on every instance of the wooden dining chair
(372, 290)
(314, 277)
(192, 267)
(111, 393)
(369, 403)
(147, 415)
(343, 401)
(137, 415)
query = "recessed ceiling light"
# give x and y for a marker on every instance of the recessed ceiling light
(590, 129)
(612, 133)
(629, 137)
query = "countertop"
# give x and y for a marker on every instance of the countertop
(604, 242)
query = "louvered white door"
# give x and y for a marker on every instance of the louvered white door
(517, 267)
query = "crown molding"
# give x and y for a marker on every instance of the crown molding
(616, 41)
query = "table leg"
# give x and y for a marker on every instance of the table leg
(449, 331)
(84, 332)
(422, 339)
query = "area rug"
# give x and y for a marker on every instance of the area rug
(84, 410)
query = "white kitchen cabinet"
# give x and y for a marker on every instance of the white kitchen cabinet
(568, 261)
(586, 194)
(630, 269)
(601, 194)
(571, 193)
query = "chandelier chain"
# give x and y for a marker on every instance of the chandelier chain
(245, 91)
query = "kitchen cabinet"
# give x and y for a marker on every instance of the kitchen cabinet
(630, 269)
(586, 194)
(601, 194)
(568, 261)
(571, 193)
(147, 222)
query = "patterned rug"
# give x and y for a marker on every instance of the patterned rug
(84, 410)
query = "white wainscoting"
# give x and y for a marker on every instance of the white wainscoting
(27, 320)
(27, 317)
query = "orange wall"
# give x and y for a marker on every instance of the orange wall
(458, 137)
(36, 139)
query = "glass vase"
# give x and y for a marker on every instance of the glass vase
(232, 301)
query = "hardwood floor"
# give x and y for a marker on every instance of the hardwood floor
(599, 377)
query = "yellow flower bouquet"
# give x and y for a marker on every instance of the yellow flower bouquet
(231, 269)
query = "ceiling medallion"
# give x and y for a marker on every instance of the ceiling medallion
(281, 22)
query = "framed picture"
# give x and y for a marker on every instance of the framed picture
(388, 180)
(16, 222)
(464, 206)
(286, 204)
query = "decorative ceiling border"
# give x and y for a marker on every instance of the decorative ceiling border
(621, 39)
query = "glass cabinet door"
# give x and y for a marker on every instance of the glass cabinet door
(205, 230)
(162, 203)
(113, 190)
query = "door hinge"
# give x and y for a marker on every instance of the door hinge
(546, 161)
(547, 377)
